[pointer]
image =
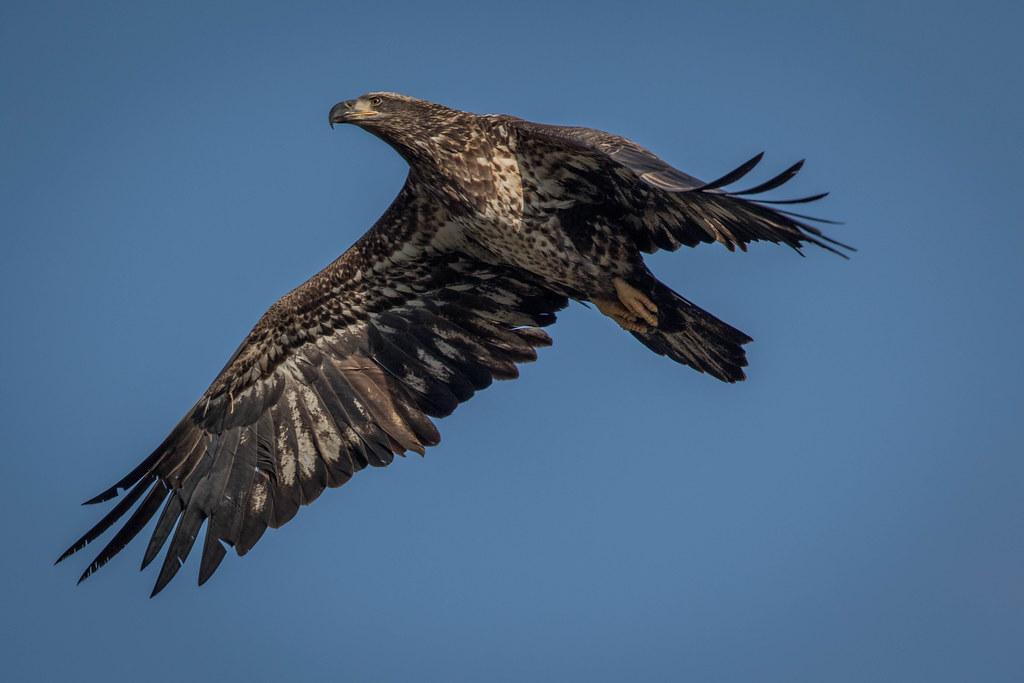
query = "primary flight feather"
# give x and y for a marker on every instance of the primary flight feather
(500, 222)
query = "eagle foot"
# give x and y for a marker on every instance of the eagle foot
(633, 311)
(636, 302)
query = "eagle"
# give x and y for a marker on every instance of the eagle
(500, 222)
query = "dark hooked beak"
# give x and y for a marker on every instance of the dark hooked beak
(349, 111)
(339, 112)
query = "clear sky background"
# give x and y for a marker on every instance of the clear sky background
(853, 512)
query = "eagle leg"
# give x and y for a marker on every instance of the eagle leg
(633, 311)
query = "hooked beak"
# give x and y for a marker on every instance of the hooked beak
(349, 111)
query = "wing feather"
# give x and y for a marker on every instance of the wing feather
(677, 208)
(344, 372)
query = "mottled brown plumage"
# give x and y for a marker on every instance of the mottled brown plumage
(500, 222)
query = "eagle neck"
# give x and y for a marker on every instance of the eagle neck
(443, 153)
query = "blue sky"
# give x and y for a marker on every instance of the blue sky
(852, 512)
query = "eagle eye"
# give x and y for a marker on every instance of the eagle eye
(376, 101)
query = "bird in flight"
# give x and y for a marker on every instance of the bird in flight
(500, 222)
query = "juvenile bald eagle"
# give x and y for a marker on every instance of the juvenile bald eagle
(501, 221)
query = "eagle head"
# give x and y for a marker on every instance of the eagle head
(406, 123)
(384, 111)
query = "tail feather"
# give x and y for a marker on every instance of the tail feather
(690, 335)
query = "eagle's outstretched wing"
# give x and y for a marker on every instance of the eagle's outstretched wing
(341, 373)
(670, 208)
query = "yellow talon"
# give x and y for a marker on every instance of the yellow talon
(636, 302)
(633, 311)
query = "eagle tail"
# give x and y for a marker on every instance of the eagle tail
(690, 335)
